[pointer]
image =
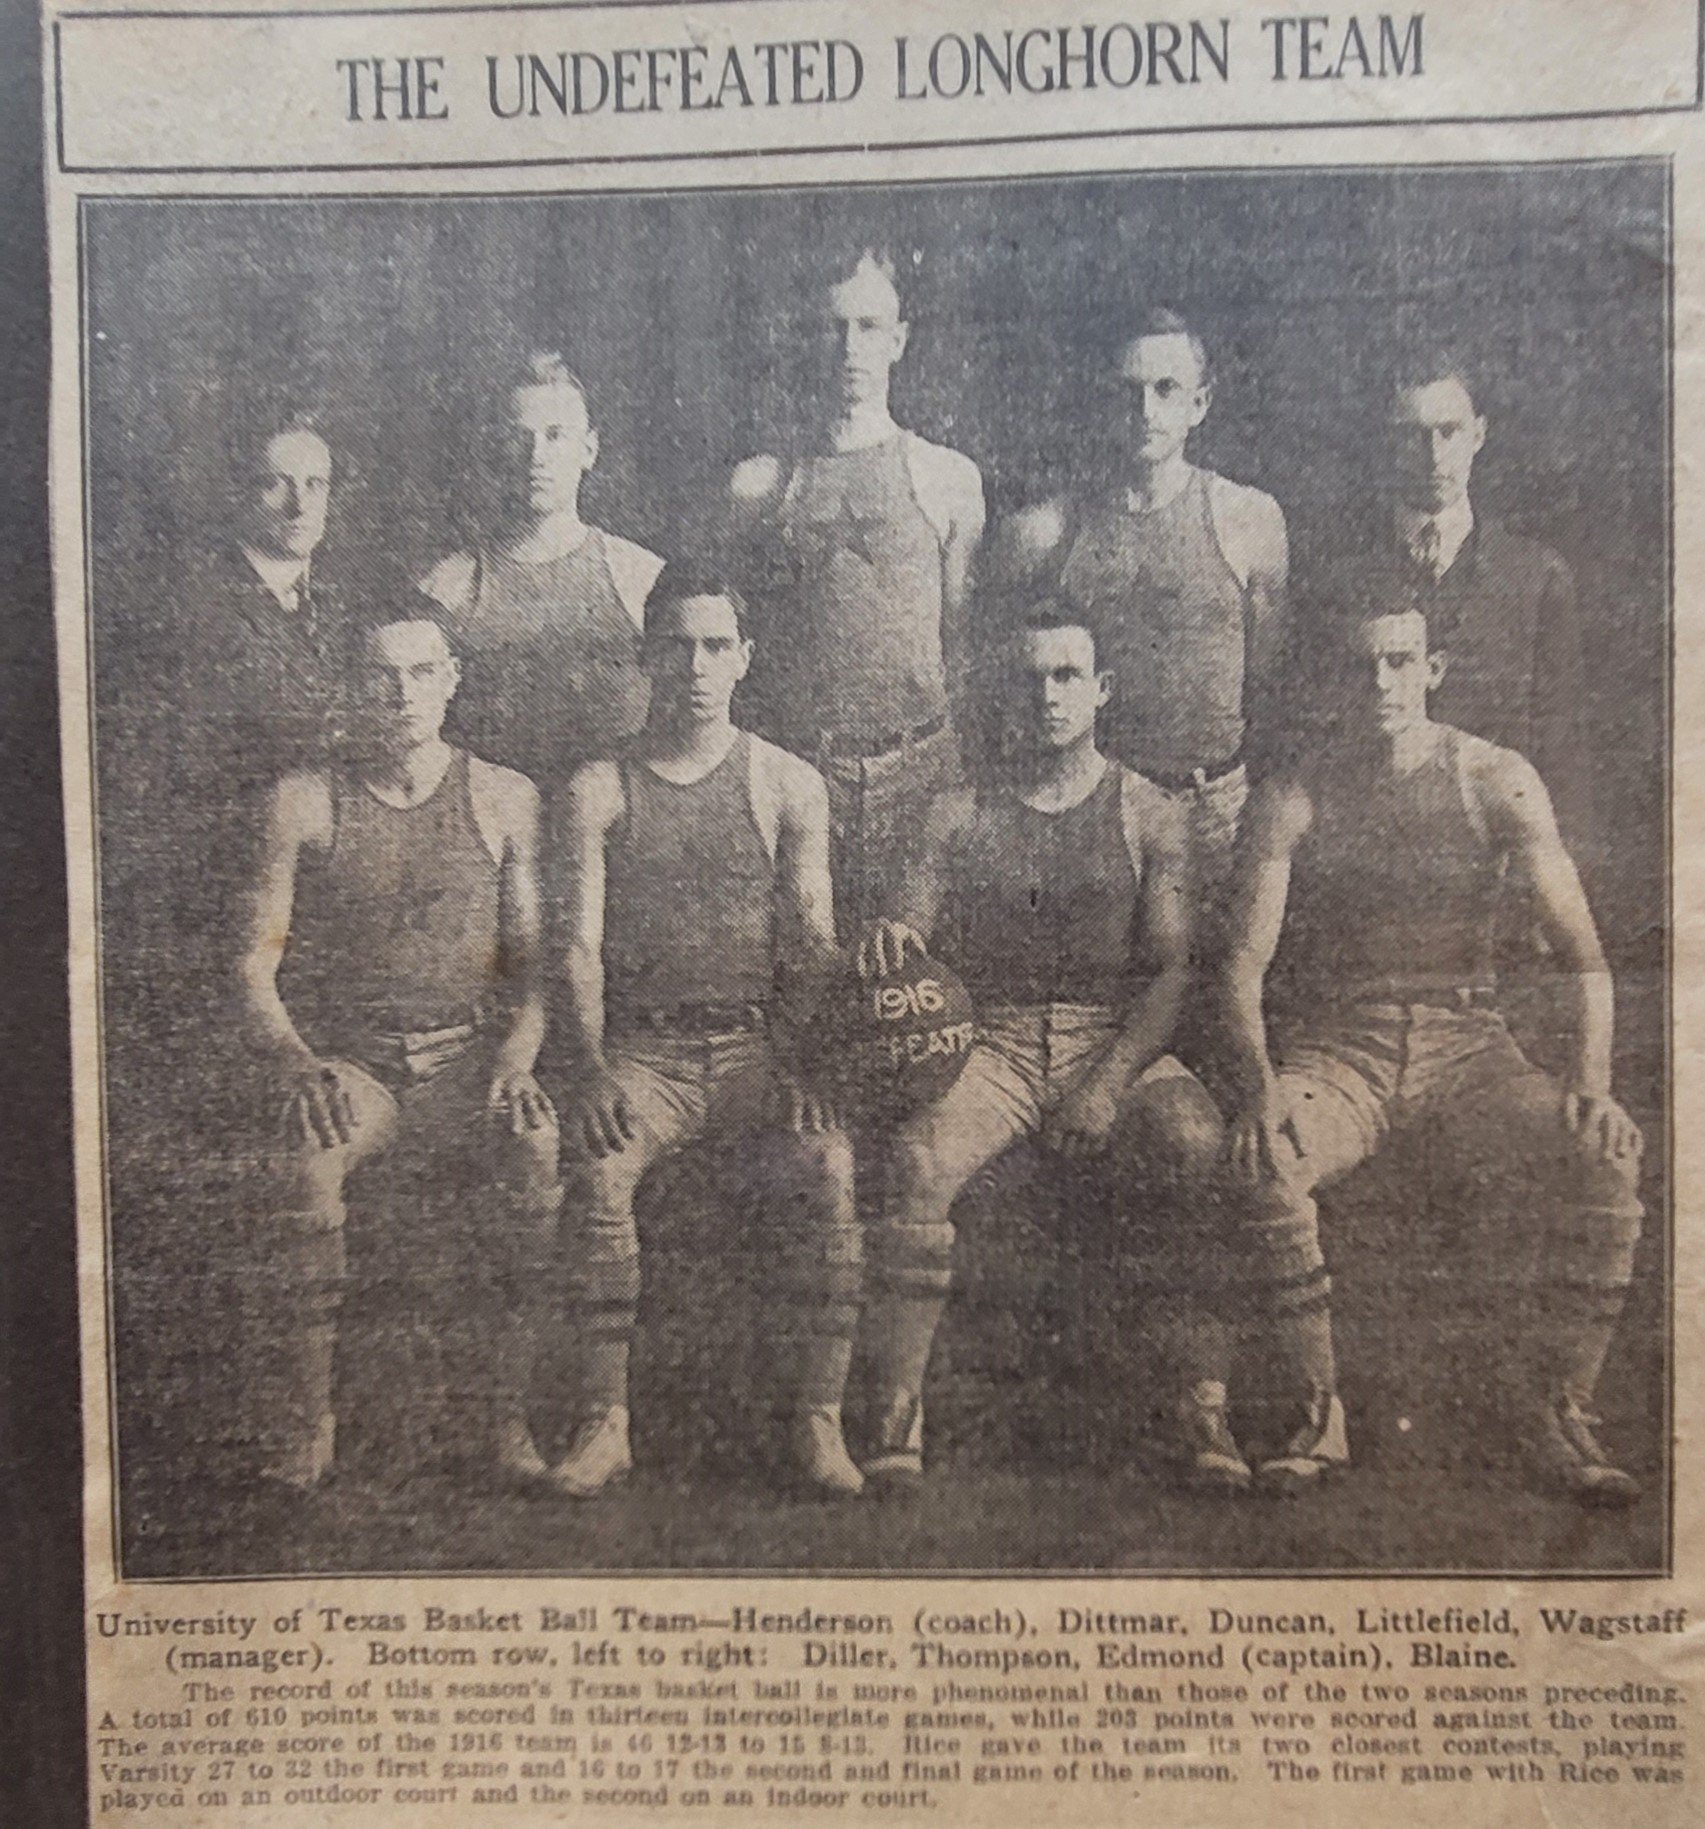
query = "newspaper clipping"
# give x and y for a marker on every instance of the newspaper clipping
(880, 850)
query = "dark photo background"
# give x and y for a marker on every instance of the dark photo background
(399, 320)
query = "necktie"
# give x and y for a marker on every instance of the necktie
(302, 605)
(1428, 549)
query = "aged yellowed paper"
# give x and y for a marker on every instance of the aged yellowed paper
(881, 848)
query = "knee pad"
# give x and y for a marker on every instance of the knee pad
(1593, 1247)
(918, 1176)
(916, 1259)
(1279, 1241)
(606, 1281)
(296, 1187)
(527, 1164)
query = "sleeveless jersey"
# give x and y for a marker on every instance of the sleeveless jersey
(689, 899)
(1394, 889)
(853, 642)
(550, 663)
(1169, 618)
(396, 926)
(1042, 907)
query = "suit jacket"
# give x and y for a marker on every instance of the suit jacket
(208, 690)
(255, 689)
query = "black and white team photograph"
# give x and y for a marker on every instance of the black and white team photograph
(939, 876)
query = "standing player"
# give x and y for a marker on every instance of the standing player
(858, 542)
(1372, 877)
(1503, 605)
(1060, 895)
(546, 614)
(391, 996)
(1183, 574)
(698, 880)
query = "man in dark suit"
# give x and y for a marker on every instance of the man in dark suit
(224, 676)
(1503, 604)
(254, 636)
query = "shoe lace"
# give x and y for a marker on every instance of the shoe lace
(1315, 1417)
(1207, 1426)
(901, 1423)
(600, 1422)
(1577, 1424)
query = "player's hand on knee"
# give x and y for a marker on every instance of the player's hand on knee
(602, 1122)
(1082, 1126)
(883, 946)
(1601, 1127)
(317, 1107)
(1262, 1145)
(803, 1108)
(519, 1101)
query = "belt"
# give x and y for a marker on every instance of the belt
(1428, 997)
(848, 743)
(1196, 778)
(416, 1028)
(691, 1019)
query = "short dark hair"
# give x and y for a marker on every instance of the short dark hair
(1052, 612)
(255, 420)
(843, 261)
(387, 608)
(1348, 605)
(1427, 363)
(542, 367)
(681, 581)
(1164, 321)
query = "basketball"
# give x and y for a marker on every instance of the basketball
(896, 1043)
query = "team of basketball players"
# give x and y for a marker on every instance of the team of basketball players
(1092, 762)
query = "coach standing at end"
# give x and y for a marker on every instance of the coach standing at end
(1503, 604)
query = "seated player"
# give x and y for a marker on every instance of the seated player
(1060, 896)
(698, 885)
(1369, 881)
(391, 997)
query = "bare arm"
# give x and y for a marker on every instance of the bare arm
(511, 802)
(1268, 625)
(298, 816)
(958, 567)
(1085, 1120)
(1518, 813)
(923, 888)
(805, 937)
(1277, 819)
(594, 805)
(1166, 913)
(805, 896)
(316, 1105)
(599, 1122)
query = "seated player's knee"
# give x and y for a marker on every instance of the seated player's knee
(302, 1178)
(921, 1177)
(1169, 1135)
(598, 1204)
(525, 1160)
(1276, 1229)
(1539, 1161)
(601, 1180)
(814, 1160)
(1609, 1187)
